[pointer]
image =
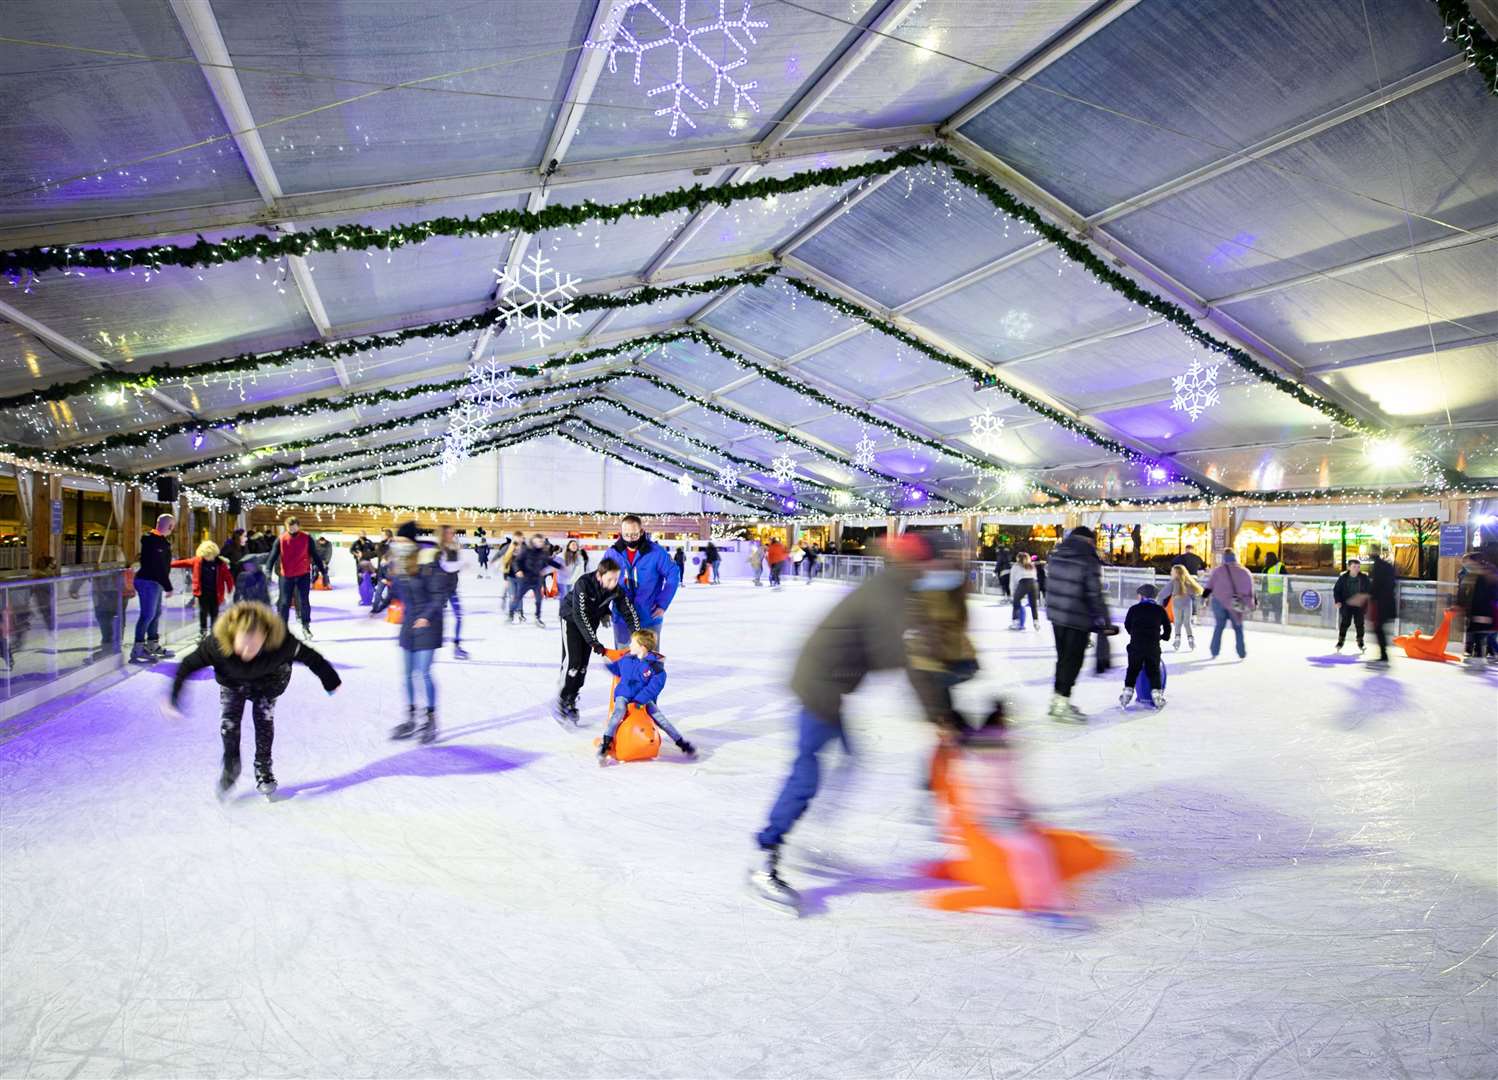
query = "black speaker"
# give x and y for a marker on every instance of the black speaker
(235, 507)
(168, 488)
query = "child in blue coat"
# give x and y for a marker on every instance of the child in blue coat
(642, 677)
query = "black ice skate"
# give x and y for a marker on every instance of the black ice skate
(407, 727)
(227, 779)
(564, 712)
(768, 886)
(427, 733)
(265, 782)
(604, 750)
(687, 749)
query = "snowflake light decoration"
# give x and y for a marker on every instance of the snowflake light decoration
(535, 300)
(863, 452)
(684, 483)
(697, 44)
(466, 421)
(728, 476)
(784, 468)
(987, 429)
(1196, 391)
(492, 385)
(1017, 324)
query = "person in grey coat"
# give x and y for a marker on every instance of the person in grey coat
(422, 587)
(1075, 605)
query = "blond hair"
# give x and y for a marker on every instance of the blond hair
(646, 638)
(1180, 573)
(248, 616)
(208, 550)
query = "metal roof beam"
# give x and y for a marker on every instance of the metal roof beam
(352, 202)
(693, 225)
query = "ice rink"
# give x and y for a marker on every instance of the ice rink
(1313, 888)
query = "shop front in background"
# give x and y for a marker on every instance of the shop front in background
(1311, 547)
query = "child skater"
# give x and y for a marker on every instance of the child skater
(251, 655)
(642, 677)
(593, 599)
(212, 581)
(252, 584)
(986, 763)
(1148, 628)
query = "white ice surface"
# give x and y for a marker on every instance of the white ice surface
(1313, 889)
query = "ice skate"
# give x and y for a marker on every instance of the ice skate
(564, 712)
(227, 779)
(539, 624)
(1064, 711)
(1124, 699)
(427, 733)
(306, 632)
(1060, 920)
(1016, 625)
(459, 653)
(604, 749)
(407, 727)
(265, 782)
(769, 887)
(140, 655)
(687, 749)
(1159, 697)
(1338, 649)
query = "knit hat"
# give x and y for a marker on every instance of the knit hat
(1229, 556)
(407, 530)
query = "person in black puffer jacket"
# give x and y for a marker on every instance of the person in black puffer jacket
(1075, 606)
(530, 564)
(593, 598)
(251, 655)
(422, 587)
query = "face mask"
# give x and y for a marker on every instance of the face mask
(939, 580)
(633, 543)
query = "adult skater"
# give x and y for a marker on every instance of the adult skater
(756, 561)
(1274, 586)
(680, 559)
(251, 655)
(593, 598)
(1021, 582)
(454, 560)
(297, 558)
(574, 564)
(483, 551)
(864, 632)
(1350, 594)
(810, 562)
(1190, 560)
(1002, 564)
(234, 551)
(1076, 609)
(1383, 600)
(324, 548)
(798, 556)
(777, 557)
(509, 551)
(1183, 592)
(711, 556)
(531, 566)
(649, 579)
(1477, 596)
(153, 583)
(422, 588)
(1231, 590)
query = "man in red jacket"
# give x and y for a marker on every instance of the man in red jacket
(295, 554)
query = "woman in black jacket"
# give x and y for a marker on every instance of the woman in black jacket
(422, 587)
(251, 655)
(592, 599)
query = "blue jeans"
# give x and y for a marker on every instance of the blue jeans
(801, 786)
(562, 589)
(300, 589)
(524, 586)
(147, 625)
(714, 565)
(457, 607)
(1223, 617)
(419, 662)
(621, 707)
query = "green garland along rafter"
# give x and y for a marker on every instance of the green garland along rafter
(1463, 28)
(133, 381)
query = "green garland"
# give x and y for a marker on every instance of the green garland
(137, 382)
(654, 471)
(1463, 28)
(352, 237)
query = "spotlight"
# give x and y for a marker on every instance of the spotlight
(1014, 483)
(113, 398)
(197, 440)
(1385, 453)
(1158, 474)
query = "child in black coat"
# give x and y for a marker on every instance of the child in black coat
(1148, 627)
(251, 655)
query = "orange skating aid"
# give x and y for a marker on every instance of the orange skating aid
(395, 612)
(319, 586)
(986, 865)
(1418, 647)
(638, 739)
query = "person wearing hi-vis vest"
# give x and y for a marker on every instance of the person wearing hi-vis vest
(648, 578)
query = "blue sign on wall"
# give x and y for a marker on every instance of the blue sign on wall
(1310, 600)
(1453, 540)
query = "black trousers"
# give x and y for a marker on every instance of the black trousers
(576, 652)
(1071, 648)
(262, 708)
(1346, 614)
(1381, 637)
(207, 611)
(297, 588)
(1147, 660)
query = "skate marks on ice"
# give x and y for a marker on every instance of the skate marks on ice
(436, 761)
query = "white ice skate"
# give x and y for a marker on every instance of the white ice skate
(1063, 710)
(770, 888)
(1124, 699)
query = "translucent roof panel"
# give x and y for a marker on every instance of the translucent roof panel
(1039, 444)
(231, 393)
(870, 366)
(380, 287)
(641, 393)
(491, 79)
(646, 316)
(777, 319)
(1459, 384)
(1247, 414)
(81, 418)
(1036, 304)
(1130, 365)
(1307, 466)
(193, 314)
(785, 58)
(1119, 481)
(781, 404)
(1334, 198)
(423, 361)
(26, 364)
(66, 114)
(1445, 296)
(1169, 102)
(697, 368)
(886, 246)
(950, 407)
(714, 427)
(907, 80)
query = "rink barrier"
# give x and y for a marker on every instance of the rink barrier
(53, 630)
(1299, 603)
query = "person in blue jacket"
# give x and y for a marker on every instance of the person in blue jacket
(423, 588)
(649, 579)
(642, 677)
